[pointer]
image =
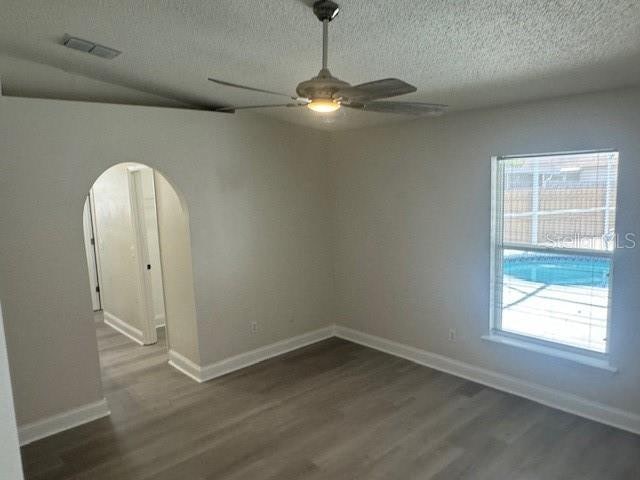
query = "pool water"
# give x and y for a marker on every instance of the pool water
(554, 269)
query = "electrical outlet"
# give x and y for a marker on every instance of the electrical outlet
(254, 327)
(452, 335)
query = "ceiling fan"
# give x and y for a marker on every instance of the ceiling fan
(325, 93)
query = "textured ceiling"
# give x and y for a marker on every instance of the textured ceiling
(465, 53)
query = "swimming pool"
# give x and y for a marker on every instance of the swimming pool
(553, 269)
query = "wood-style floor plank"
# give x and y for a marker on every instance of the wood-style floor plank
(333, 410)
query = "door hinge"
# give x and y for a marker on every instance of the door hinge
(93, 241)
(98, 288)
(148, 266)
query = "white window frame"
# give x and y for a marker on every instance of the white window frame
(496, 334)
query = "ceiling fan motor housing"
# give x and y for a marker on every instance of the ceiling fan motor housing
(324, 86)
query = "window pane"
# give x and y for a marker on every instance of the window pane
(561, 298)
(554, 234)
(560, 200)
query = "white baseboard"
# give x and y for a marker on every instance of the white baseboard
(231, 364)
(159, 320)
(123, 327)
(538, 393)
(186, 366)
(63, 421)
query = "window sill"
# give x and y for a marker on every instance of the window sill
(601, 363)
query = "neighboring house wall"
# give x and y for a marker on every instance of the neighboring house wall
(257, 195)
(589, 224)
(116, 248)
(412, 233)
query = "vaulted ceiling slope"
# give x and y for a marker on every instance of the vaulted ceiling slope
(464, 53)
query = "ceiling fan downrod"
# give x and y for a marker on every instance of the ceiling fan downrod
(325, 10)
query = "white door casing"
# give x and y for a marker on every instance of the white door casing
(90, 250)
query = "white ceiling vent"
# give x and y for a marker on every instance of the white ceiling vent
(90, 47)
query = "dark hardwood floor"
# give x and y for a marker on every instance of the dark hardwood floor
(334, 410)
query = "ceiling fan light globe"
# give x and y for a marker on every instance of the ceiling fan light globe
(323, 105)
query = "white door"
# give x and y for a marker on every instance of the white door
(153, 243)
(90, 249)
(143, 214)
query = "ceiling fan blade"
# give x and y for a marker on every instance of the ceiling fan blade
(385, 88)
(233, 109)
(401, 108)
(253, 89)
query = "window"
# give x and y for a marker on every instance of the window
(553, 236)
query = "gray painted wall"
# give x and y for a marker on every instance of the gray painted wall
(256, 192)
(412, 226)
(391, 239)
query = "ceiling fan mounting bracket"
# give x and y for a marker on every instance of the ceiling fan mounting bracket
(326, 10)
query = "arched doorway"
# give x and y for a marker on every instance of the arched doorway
(138, 257)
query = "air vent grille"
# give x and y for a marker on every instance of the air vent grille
(90, 47)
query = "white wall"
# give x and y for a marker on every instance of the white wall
(10, 461)
(256, 191)
(116, 248)
(177, 271)
(404, 222)
(412, 204)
